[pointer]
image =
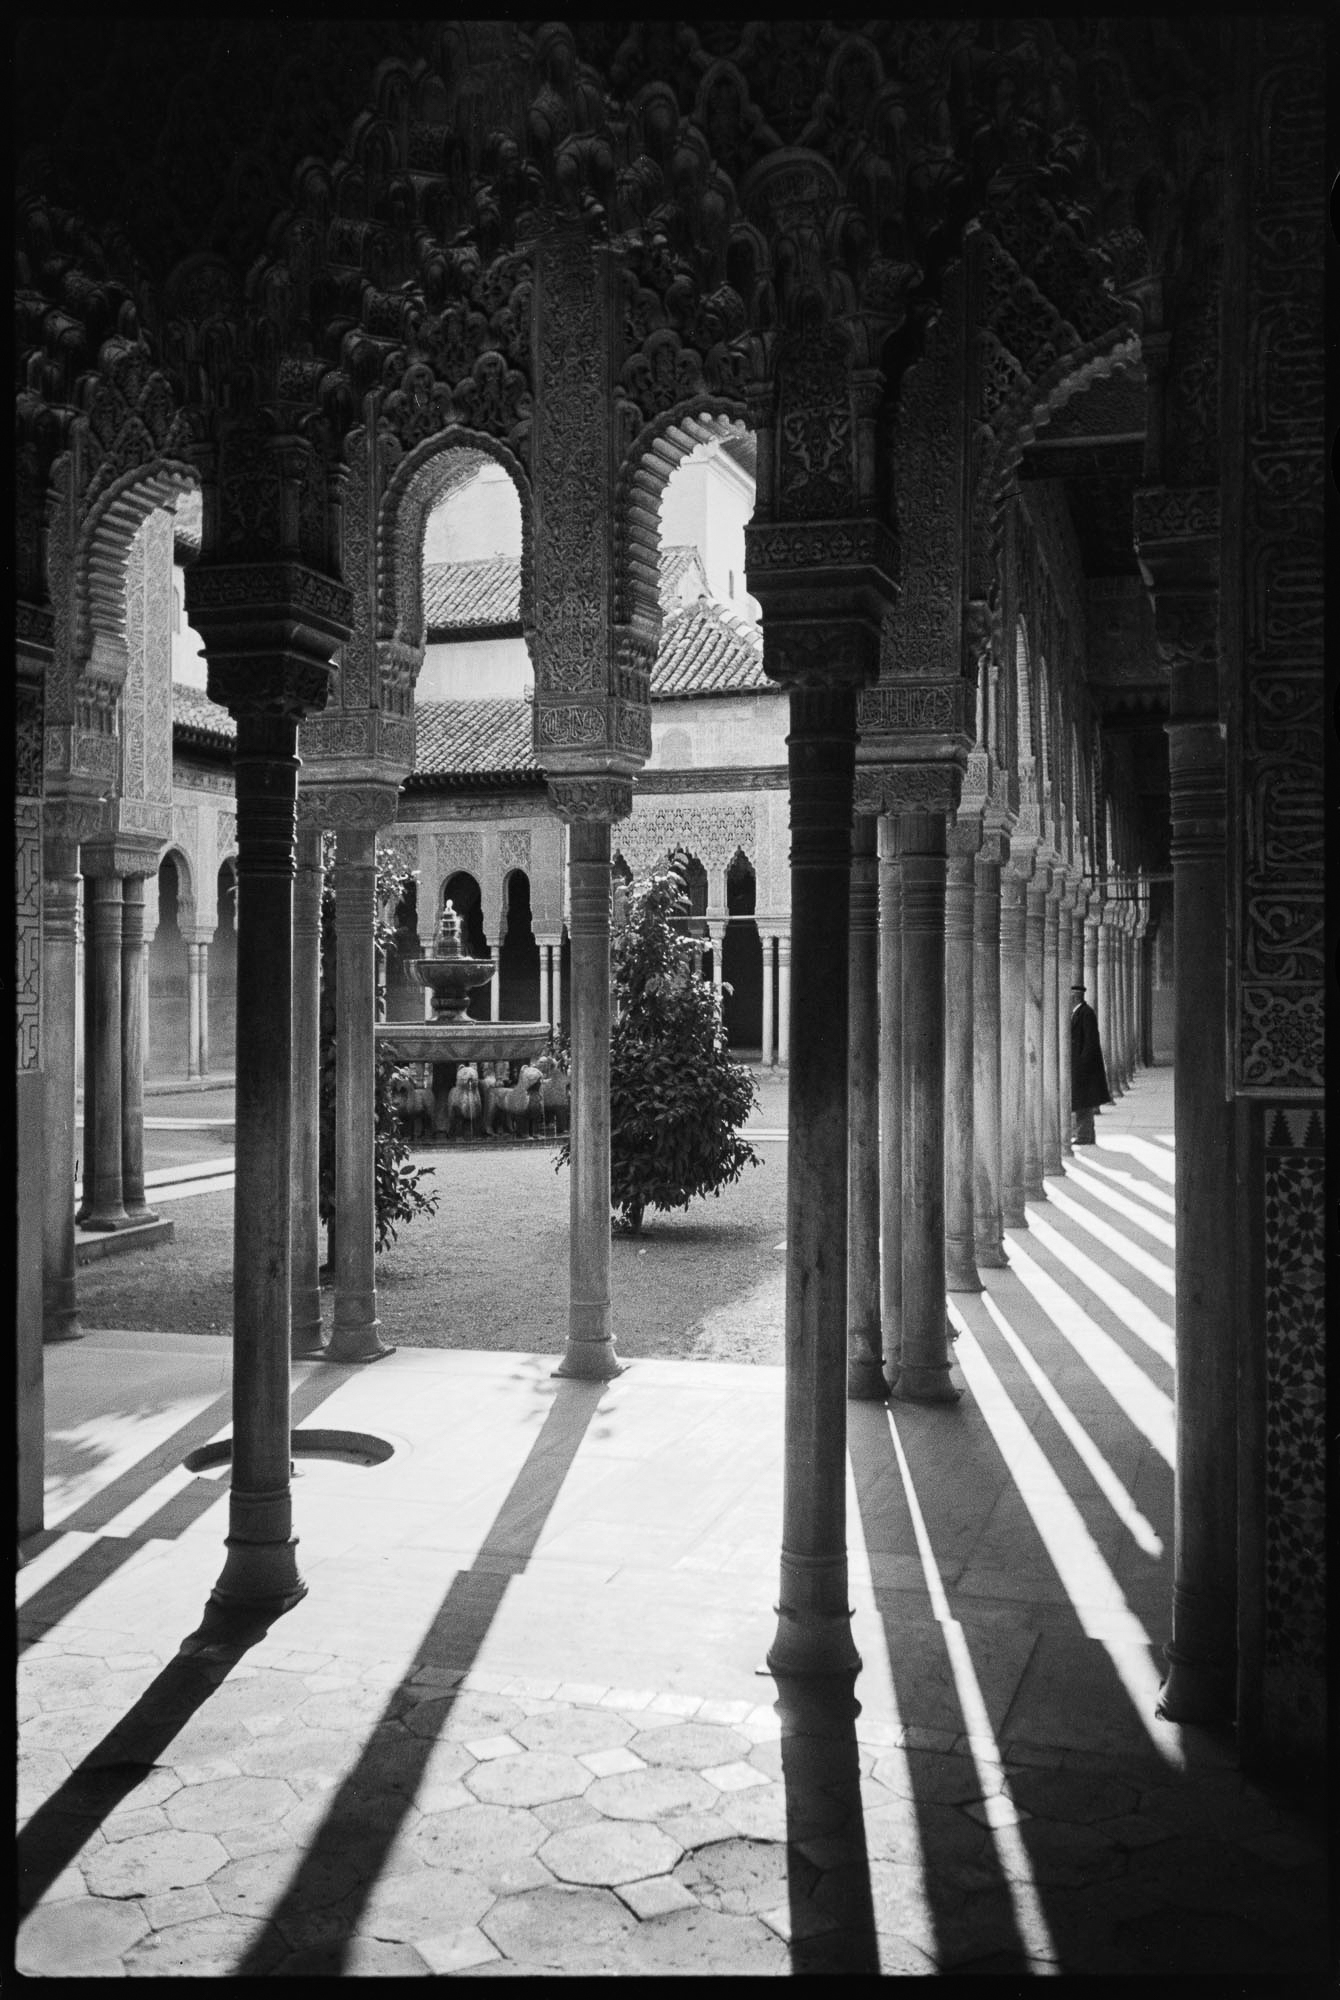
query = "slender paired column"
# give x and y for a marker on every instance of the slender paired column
(495, 983)
(192, 1008)
(924, 1375)
(590, 1353)
(305, 1270)
(986, 1084)
(558, 985)
(132, 1051)
(784, 999)
(1202, 1655)
(80, 962)
(261, 1567)
(202, 1052)
(1065, 959)
(1051, 1021)
(1013, 1097)
(769, 1052)
(865, 1359)
(104, 1204)
(716, 930)
(891, 1091)
(1107, 1018)
(60, 895)
(959, 1146)
(813, 1611)
(1034, 953)
(1092, 993)
(355, 1332)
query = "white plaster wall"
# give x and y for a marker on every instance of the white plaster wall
(475, 670)
(707, 502)
(481, 518)
(722, 729)
(188, 655)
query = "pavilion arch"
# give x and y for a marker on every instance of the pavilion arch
(658, 450)
(427, 474)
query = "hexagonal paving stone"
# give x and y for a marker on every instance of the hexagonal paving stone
(1058, 1856)
(604, 1854)
(300, 1755)
(230, 1802)
(217, 1947)
(891, 1896)
(423, 1904)
(40, 1773)
(78, 1940)
(772, 1812)
(742, 1877)
(259, 1884)
(1075, 1796)
(475, 1839)
(354, 1707)
(472, 1714)
(690, 1746)
(72, 1731)
(704, 1942)
(559, 1927)
(652, 1794)
(353, 1958)
(575, 1730)
(936, 1779)
(154, 1862)
(532, 1778)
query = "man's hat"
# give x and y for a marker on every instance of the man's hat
(1077, 986)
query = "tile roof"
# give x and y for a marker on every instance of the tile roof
(458, 595)
(681, 570)
(193, 711)
(474, 739)
(707, 650)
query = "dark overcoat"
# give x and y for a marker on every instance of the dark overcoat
(1088, 1073)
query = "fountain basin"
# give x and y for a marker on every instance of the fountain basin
(463, 1040)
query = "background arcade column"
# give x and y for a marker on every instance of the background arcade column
(1051, 1023)
(987, 1225)
(1013, 1006)
(865, 1360)
(60, 896)
(959, 1146)
(103, 1205)
(891, 1091)
(783, 999)
(133, 1012)
(1035, 906)
(305, 1281)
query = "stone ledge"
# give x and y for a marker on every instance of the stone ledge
(90, 1245)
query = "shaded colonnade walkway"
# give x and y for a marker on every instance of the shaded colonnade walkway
(519, 1725)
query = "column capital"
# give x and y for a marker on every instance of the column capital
(360, 804)
(270, 630)
(121, 854)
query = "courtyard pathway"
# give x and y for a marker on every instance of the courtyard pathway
(519, 1723)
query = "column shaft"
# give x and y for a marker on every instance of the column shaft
(192, 1008)
(813, 1611)
(60, 951)
(558, 984)
(1065, 961)
(717, 932)
(590, 1352)
(865, 1359)
(354, 1336)
(1202, 1654)
(924, 1375)
(959, 1191)
(1051, 1040)
(1034, 954)
(102, 1076)
(891, 1092)
(203, 1052)
(1104, 1004)
(495, 983)
(784, 1001)
(132, 1051)
(261, 1568)
(305, 1287)
(1013, 1098)
(990, 1243)
(769, 1052)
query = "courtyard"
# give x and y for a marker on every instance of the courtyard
(520, 1722)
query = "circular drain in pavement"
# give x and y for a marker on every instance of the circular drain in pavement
(348, 1447)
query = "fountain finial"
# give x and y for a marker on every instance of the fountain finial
(447, 938)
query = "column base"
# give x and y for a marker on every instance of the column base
(1196, 1692)
(259, 1576)
(865, 1371)
(140, 1212)
(352, 1344)
(961, 1272)
(589, 1361)
(811, 1642)
(1036, 1193)
(992, 1257)
(1052, 1167)
(60, 1323)
(918, 1383)
(106, 1219)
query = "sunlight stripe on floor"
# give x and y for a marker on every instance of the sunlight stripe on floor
(1121, 1246)
(1153, 1225)
(1142, 1320)
(1075, 1556)
(219, 1184)
(1146, 1192)
(1147, 1406)
(1157, 1158)
(1030, 1920)
(1104, 1478)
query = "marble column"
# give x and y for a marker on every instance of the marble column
(1065, 956)
(260, 1570)
(104, 1204)
(60, 895)
(987, 1229)
(1013, 1096)
(1091, 990)
(1034, 956)
(80, 961)
(924, 1376)
(769, 1051)
(1107, 1024)
(590, 1353)
(865, 1357)
(814, 1609)
(305, 1335)
(132, 1050)
(891, 1092)
(192, 1008)
(783, 999)
(716, 930)
(557, 1016)
(1202, 1654)
(202, 1053)
(355, 1335)
(1051, 1020)
(959, 1143)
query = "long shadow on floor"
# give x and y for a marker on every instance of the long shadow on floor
(366, 1814)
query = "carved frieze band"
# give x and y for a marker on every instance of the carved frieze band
(347, 805)
(809, 545)
(604, 798)
(893, 788)
(934, 707)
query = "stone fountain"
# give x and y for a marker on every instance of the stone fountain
(450, 975)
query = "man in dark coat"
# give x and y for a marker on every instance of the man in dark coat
(1088, 1072)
